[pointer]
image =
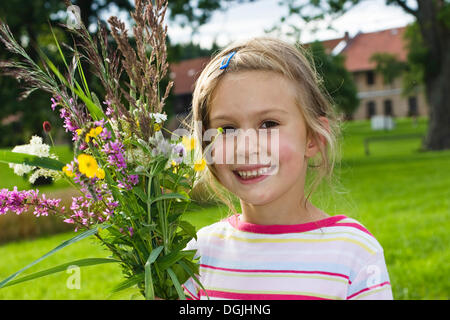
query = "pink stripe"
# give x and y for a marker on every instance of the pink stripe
(258, 296)
(278, 271)
(369, 288)
(355, 225)
(277, 229)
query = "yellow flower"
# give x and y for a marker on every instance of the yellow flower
(175, 168)
(100, 173)
(188, 143)
(79, 131)
(93, 133)
(68, 172)
(200, 165)
(97, 130)
(157, 126)
(87, 165)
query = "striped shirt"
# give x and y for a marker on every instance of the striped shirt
(333, 258)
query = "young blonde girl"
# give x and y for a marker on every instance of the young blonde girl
(280, 246)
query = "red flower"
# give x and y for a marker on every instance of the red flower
(47, 126)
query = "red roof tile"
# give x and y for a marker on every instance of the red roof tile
(364, 45)
(329, 45)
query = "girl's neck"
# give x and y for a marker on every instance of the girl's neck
(281, 212)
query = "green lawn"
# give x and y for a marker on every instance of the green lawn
(399, 193)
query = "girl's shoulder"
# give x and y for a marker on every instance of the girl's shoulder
(205, 232)
(354, 230)
(219, 226)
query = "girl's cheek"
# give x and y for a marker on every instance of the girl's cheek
(290, 153)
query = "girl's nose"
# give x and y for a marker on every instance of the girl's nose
(246, 146)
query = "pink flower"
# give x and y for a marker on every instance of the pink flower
(20, 201)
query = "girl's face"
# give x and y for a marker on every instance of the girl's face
(272, 134)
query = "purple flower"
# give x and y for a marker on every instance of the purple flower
(115, 152)
(109, 110)
(68, 124)
(179, 153)
(20, 201)
(133, 179)
(55, 103)
(105, 134)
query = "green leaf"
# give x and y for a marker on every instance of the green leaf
(95, 110)
(188, 269)
(172, 258)
(59, 48)
(154, 254)
(83, 78)
(172, 195)
(140, 193)
(149, 289)
(64, 244)
(188, 228)
(23, 158)
(128, 283)
(176, 283)
(79, 263)
(158, 165)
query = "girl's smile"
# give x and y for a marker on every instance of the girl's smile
(253, 174)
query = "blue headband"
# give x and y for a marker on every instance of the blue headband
(224, 64)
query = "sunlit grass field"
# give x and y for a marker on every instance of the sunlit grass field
(401, 194)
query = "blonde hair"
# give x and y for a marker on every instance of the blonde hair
(270, 54)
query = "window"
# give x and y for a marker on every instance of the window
(370, 77)
(412, 106)
(371, 109)
(388, 107)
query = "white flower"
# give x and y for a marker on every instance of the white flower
(159, 117)
(161, 145)
(20, 169)
(47, 173)
(137, 156)
(36, 148)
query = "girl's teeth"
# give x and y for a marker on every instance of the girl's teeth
(254, 173)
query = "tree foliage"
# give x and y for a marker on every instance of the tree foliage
(337, 81)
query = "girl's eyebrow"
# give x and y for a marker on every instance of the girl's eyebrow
(230, 117)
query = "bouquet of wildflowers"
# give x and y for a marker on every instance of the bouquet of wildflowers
(134, 184)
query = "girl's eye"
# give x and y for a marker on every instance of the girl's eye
(269, 124)
(228, 129)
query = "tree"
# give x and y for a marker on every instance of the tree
(433, 20)
(337, 81)
(29, 22)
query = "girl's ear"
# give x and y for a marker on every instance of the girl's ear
(315, 142)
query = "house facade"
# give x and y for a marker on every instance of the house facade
(376, 98)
